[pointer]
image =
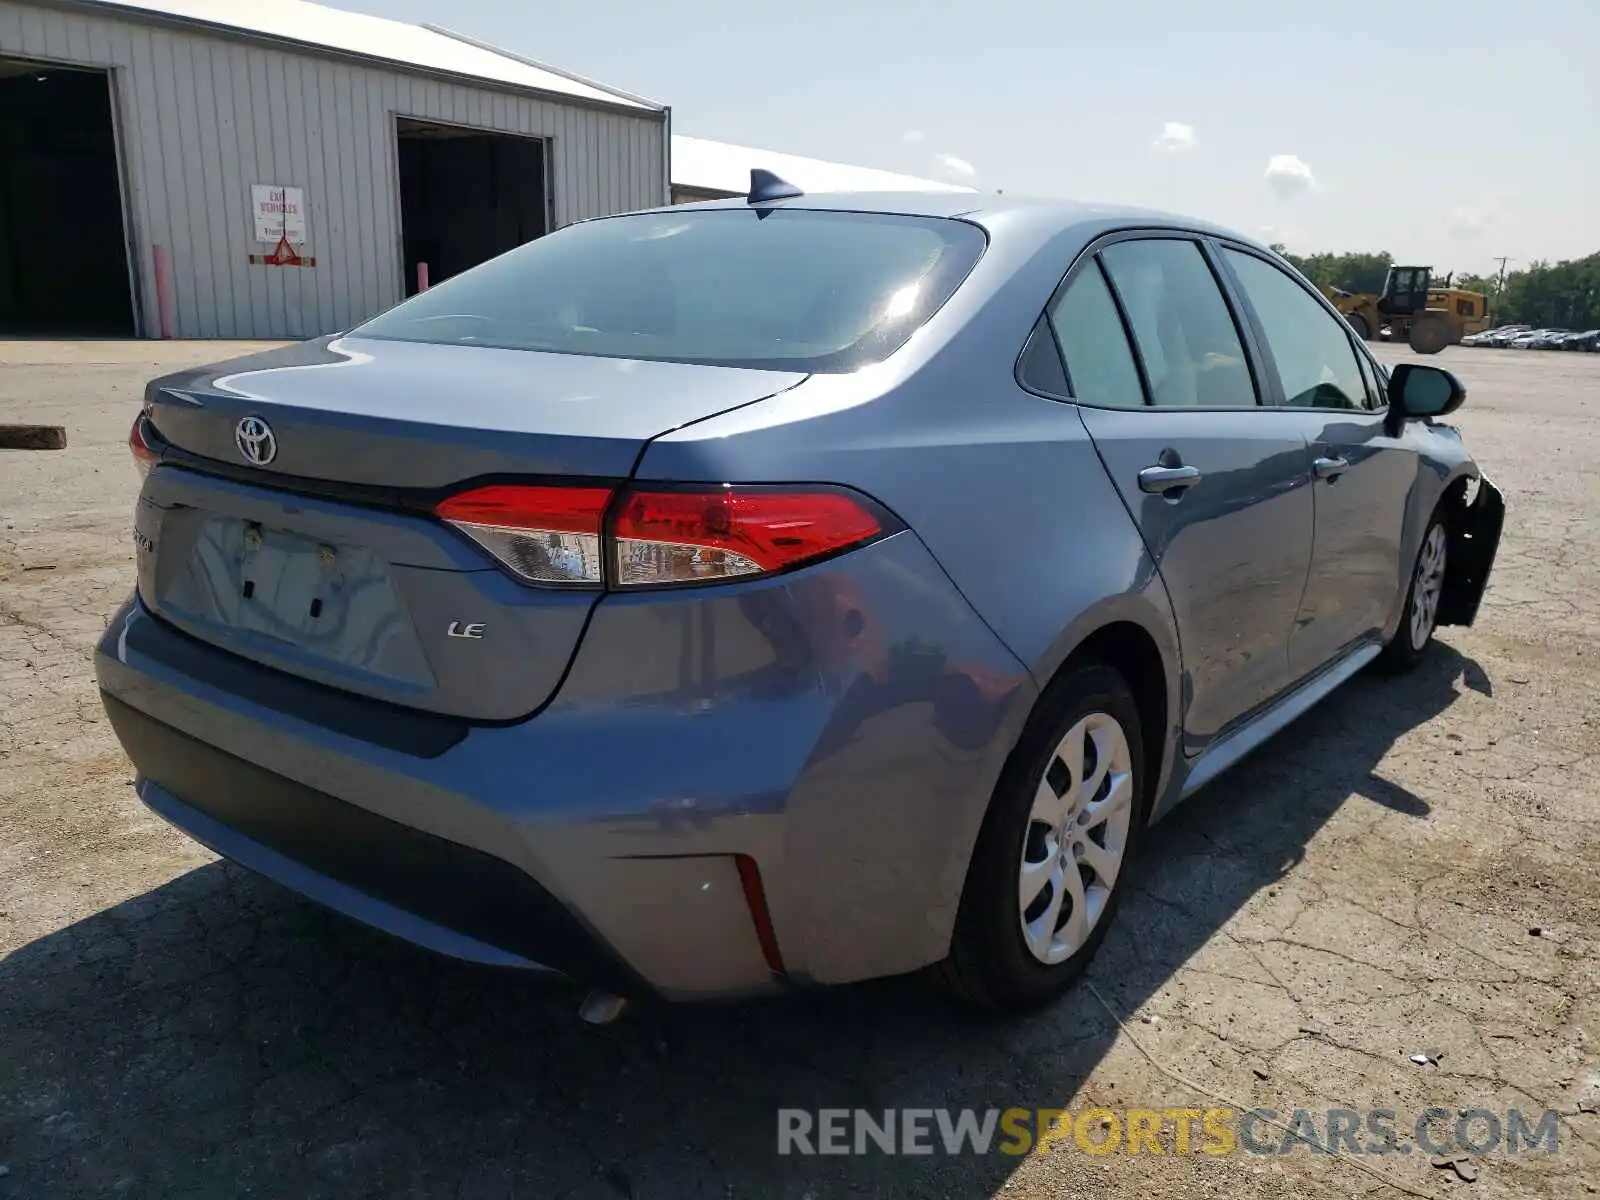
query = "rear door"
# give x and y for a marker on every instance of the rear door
(1328, 392)
(1219, 489)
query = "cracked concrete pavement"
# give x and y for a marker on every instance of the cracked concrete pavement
(1362, 890)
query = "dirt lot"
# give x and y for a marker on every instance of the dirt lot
(1415, 867)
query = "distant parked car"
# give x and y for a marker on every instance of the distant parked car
(1500, 336)
(1589, 339)
(1538, 339)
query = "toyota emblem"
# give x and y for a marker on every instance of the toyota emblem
(256, 441)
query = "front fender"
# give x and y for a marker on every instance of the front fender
(1475, 528)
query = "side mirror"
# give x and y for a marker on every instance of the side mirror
(1421, 391)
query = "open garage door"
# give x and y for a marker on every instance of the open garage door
(63, 248)
(466, 196)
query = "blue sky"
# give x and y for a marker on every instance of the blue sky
(1444, 133)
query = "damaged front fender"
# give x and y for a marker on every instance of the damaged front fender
(1475, 528)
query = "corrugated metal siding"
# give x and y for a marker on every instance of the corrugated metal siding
(201, 119)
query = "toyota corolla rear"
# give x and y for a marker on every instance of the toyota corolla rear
(413, 636)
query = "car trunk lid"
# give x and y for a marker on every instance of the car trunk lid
(407, 415)
(304, 540)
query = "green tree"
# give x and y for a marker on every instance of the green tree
(1348, 272)
(1565, 295)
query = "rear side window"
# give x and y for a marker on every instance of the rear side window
(1310, 347)
(1040, 366)
(1100, 366)
(784, 289)
(1185, 333)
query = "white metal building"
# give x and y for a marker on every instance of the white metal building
(275, 168)
(707, 170)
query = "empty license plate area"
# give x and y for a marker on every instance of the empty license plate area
(316, 603)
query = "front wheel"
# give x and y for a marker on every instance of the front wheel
(1421, 616)
(1050, 864)
(1430, 334)
(1358, 326)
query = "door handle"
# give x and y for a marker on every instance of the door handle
(1159, 480)
(1330, 468)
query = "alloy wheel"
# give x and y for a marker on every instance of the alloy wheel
(1076, 839)
(1427, 587)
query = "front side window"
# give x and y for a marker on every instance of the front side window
(1376, 393)
(1310, 348)
(782, 289)
(1186, 336)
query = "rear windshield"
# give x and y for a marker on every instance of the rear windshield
(784, 289)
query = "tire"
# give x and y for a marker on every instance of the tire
(994, 963)
(1430, 334)
(1359, 326)
(1419, 620)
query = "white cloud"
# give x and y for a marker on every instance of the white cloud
(1288, 175)
(1468, 220)
(953, 167)
(913, 137)
(1175, 138)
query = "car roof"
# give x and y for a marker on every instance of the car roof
(988, 209)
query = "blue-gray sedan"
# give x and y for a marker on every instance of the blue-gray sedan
(788, 590)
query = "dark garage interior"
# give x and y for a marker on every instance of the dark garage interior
(466, 196)
(63, 248)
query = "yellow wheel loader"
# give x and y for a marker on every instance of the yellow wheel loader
(1411, 309)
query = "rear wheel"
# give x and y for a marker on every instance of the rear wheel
(1421, 616)
(1430, 334)
(1050, 864)
(1359, 325)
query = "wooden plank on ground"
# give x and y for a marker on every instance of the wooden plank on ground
(32, 437)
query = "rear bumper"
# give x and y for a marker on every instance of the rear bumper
(390, 875)
(843, 727)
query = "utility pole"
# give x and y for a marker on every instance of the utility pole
(1500, 284)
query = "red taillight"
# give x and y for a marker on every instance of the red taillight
(145, 455)
(542, 534)
(730, 532)
(557, 535)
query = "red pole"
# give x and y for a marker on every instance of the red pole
(422, 277)
(163, 267)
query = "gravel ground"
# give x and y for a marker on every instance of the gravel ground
(1411, 868)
